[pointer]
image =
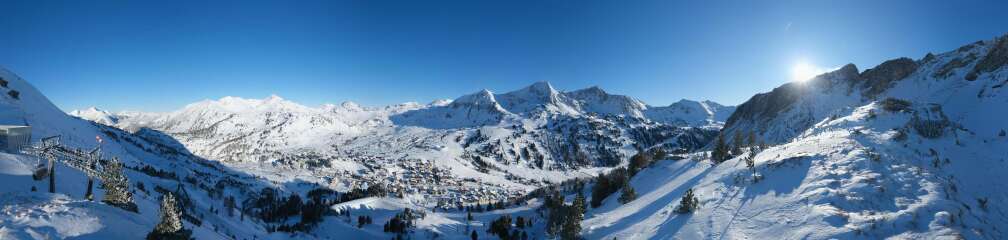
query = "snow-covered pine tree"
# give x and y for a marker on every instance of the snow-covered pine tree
(170, 226)
(117, 187)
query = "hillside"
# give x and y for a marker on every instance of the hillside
(908, 149)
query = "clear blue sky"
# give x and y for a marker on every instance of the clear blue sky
(141, 55)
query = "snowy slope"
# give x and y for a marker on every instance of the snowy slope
(852, 166)
(65, 214)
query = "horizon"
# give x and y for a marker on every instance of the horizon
(157, 57)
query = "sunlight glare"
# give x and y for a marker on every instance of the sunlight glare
(803, 71)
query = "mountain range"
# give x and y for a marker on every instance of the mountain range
(908, 149)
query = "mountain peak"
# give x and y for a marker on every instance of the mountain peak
(273, 98)
(483, 97)
(594, 90)
(542, 86)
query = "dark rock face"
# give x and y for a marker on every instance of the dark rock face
(880, 78)
(946, 70)
(996, 58)
(768, 105)
(928, 58)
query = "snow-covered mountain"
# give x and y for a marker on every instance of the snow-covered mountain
(691, 113)
(154, 163)
(908, 149)
(96, 115)
(541, 100)
(250, 130)
(509, 143)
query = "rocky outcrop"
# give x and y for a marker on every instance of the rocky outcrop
(996, 58)
(881, 78)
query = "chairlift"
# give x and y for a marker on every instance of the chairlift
(41, 170)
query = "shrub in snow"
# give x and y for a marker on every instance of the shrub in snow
(983, 203)
(929, 128)
(363, 220)
(895, 105)
(501, 227)
(900, 135)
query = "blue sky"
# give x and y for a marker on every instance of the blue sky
(159, 56)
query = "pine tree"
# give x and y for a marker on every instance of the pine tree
(579, 204)
(628, 193)
(751, 139)
(117, 187)
(737, 143)
(170, 226)
(751, 163)
(660, 154)
(229, 205)
(688, 203)
(572, 225)
(721, 150)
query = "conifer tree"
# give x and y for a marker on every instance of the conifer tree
(751, 139)
(572, 225)
(721, 150)
(170, 227)
(117, 187)
(628, 193)
(737, 143)
(751, 163)
(688, 203)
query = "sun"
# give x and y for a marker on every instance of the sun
(803, 71)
